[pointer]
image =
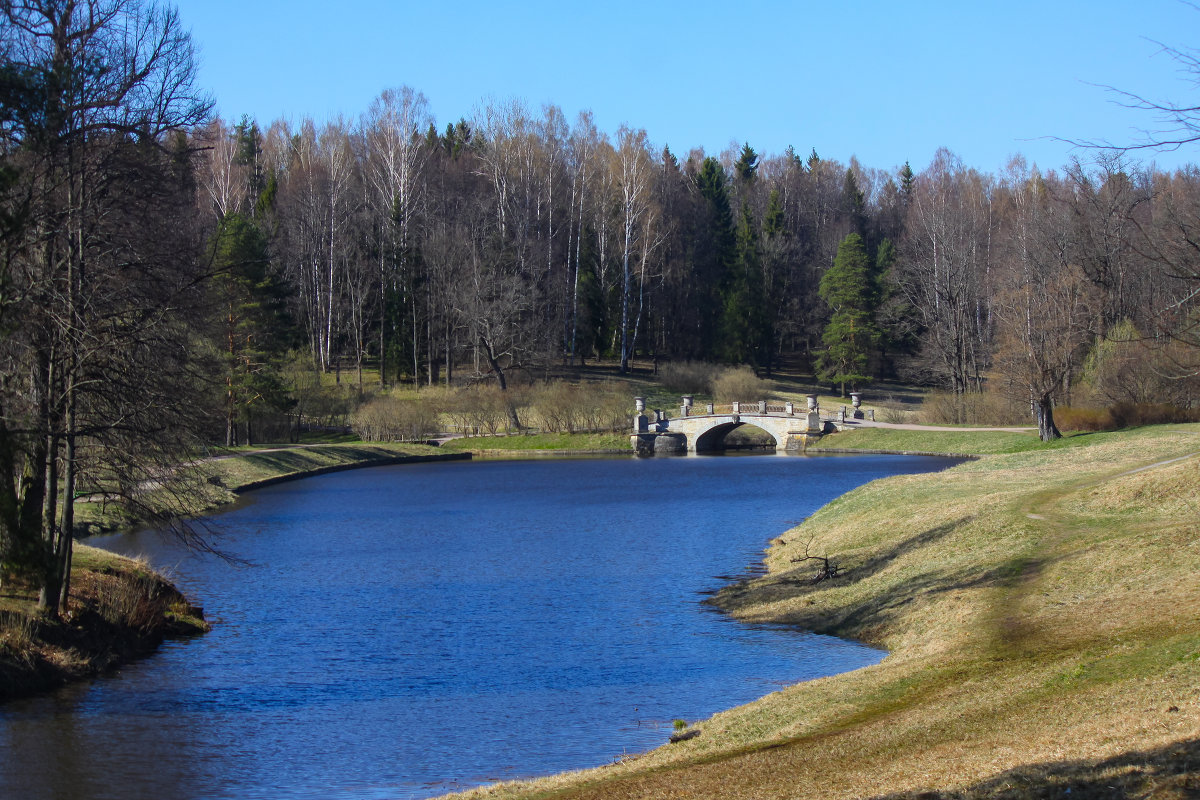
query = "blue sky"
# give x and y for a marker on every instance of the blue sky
(883, 81)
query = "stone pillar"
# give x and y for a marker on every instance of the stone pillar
(710, 408)
(762, 406)
(687, 405)
(737, 407)
(789, 407)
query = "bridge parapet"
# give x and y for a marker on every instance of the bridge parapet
(694, 431)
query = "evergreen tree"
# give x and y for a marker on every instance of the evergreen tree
(254, 326)
(714, 255)
(907, 179)
(743, 320)
(746, 167)
(854, 204)
(849, 290)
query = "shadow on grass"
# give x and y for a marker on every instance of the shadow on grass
(1166, 773)
(869, 618)
(285, 461)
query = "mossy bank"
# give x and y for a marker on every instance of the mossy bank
(1042, 614)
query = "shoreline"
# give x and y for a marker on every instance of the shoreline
(1036, 638)
(121, 610)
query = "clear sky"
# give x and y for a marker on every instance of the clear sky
(886, 81)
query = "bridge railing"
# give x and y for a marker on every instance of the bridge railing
(744, 407)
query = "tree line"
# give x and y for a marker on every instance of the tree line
(516, 240)
(160, 268)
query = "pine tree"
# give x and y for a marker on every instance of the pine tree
(907, 179)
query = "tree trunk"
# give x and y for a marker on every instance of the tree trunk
(1043, 412)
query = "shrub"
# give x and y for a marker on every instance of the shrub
(739, 384)
(1070, 418)
(688, 377)
(390, 419)
(485, 409)
(567, 407)
(973, 408)
(893, 412)
(1130, 415)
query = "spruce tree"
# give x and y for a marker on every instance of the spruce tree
(746, 167)
(743, 318)
(850, 292)
(714, 256)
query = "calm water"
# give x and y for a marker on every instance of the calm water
(403, 631)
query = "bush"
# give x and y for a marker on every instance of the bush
(561, 407)
(973, 408)
(688, 377)
(739, 384)
(1069, 418)
(894, 412)
(390, 419)
(1131, 415)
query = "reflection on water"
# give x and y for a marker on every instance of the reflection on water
(403, 631)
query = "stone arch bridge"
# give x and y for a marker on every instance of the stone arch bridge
(699, 430)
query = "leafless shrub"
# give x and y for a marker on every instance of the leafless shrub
(390, 419)
(973, 408)
(688, 377)
(561, 407)
(826, 566)
(739, 384)
(135, 600)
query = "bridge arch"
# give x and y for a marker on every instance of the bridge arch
(712, 438)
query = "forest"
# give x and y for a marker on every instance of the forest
(170, 280)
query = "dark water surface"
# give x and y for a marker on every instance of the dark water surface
(404, 631)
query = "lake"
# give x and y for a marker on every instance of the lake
(399, 632)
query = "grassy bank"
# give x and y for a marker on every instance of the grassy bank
(216, 480)
(542, 443)
(958, 442)
(1042, 613)
(120, 609)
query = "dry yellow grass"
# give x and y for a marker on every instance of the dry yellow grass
(1042, 610)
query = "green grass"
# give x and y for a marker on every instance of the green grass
(965, 442)
(580, 442)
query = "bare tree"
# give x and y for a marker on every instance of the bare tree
(1046, 308)
(115, 80)
(944, 270)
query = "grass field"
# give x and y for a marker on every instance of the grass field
(1041, 607)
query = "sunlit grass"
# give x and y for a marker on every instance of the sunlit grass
(1039, 635)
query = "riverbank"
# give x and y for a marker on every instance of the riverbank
(1042, 614)
(218, 479)
(120, 609)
